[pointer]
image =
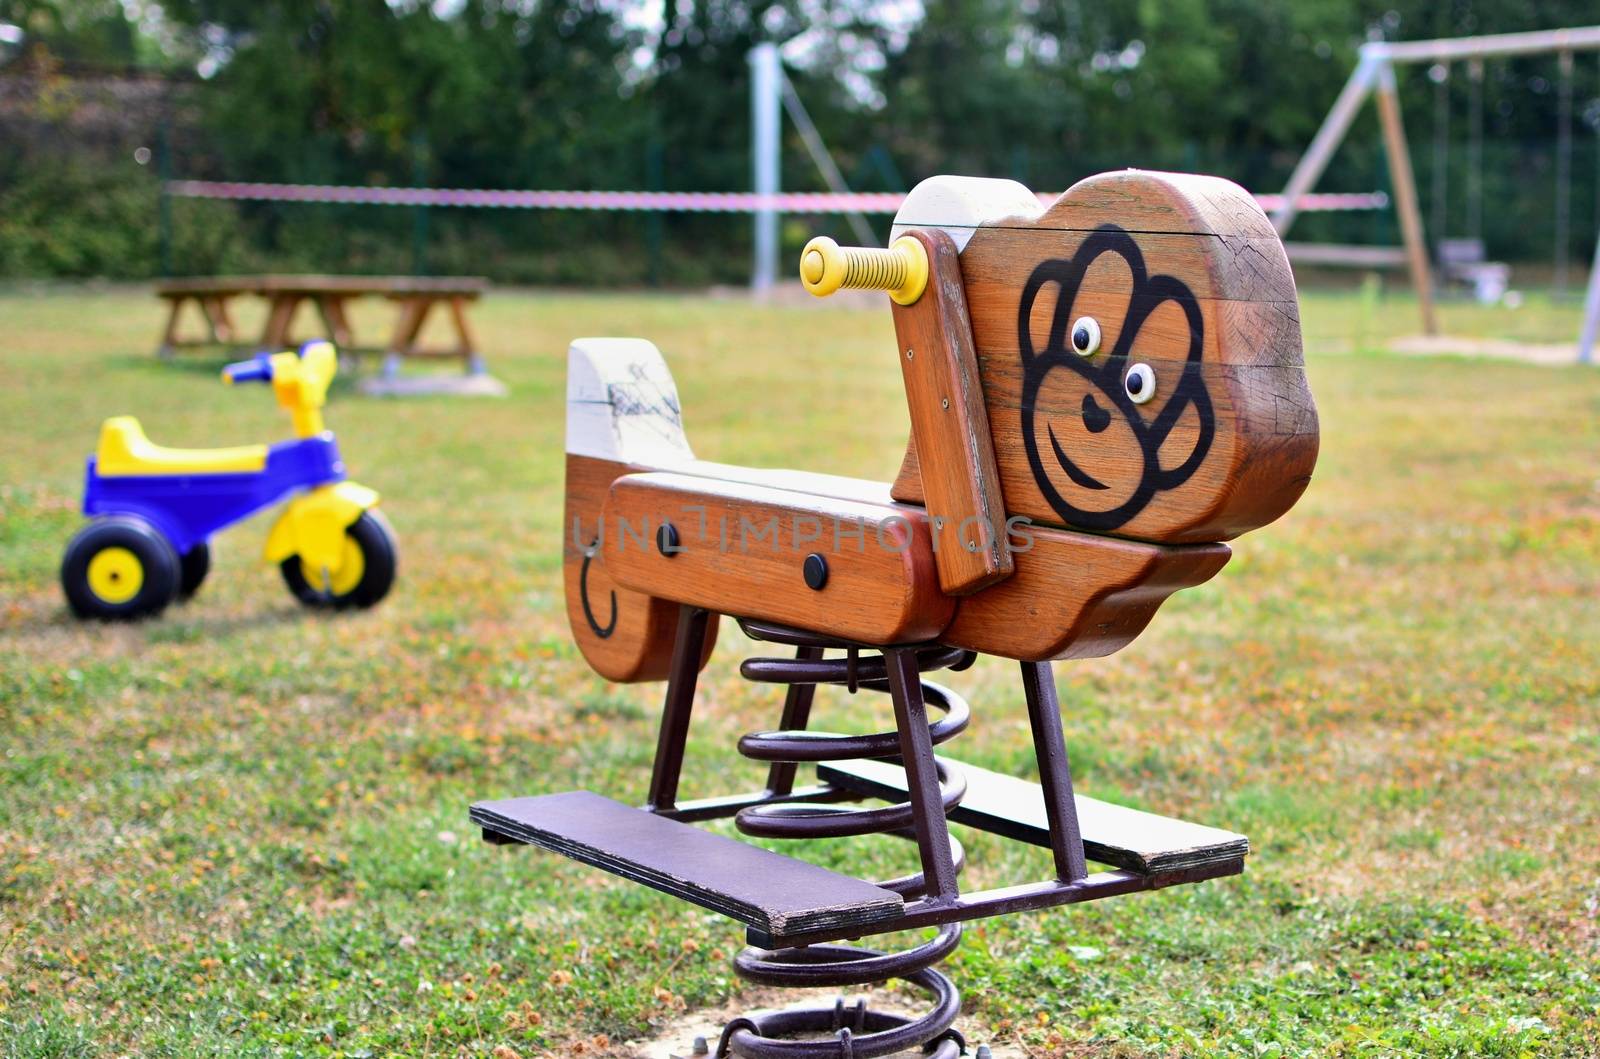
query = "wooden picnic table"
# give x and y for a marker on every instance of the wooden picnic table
(414, 299)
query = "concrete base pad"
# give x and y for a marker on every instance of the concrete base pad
(479, 385)
(1558, 354)
(676, 1040)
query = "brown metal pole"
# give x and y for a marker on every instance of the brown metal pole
(796, 715)
(675, 713)
(1405, 197)
(1055, 773)
(922, 774)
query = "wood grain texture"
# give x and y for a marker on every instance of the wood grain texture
(960, 481)
(766, 890)
(743, 549)
(1185, 275)
(1078, 595)
(625, 636)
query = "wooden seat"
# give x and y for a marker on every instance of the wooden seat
(1112, 834)
(745, 549)
(773, 893)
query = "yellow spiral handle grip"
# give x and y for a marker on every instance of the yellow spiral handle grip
(902, 270)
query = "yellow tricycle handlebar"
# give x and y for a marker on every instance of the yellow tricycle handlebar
(902, 270)
(299, 380)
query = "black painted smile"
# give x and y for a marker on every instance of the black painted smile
(1078, 475)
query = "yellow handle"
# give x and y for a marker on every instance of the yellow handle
(301, 384)
(902, 270)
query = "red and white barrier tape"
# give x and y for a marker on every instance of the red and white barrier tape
(658, 201)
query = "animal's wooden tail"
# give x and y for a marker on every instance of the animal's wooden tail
(622, 405)
(622, 415)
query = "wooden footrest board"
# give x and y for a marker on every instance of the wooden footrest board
(768, 891)
(1004, 805)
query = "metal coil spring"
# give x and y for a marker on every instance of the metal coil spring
(857, 1031)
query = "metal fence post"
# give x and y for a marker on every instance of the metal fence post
(766, 101)
(164, 197)
(419, 214)
(654, 180)
(1591, 311)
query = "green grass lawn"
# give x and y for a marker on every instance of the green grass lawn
(241, 829)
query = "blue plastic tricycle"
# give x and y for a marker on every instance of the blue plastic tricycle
(153, 510)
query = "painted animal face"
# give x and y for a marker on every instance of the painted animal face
(1138, 344)
(1101, 399)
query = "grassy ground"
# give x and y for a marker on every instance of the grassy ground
(242, 830)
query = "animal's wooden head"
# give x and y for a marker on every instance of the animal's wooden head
(1138, 343)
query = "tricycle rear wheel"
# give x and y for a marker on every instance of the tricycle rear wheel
(371, 556)
(193, 566)
(119, 568)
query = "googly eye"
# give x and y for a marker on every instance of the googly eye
(1140, 382)
(1085, 336)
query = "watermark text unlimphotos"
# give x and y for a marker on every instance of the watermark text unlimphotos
(695, 527)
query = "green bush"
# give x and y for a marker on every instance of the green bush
(79, 219)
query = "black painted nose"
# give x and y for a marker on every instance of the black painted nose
(1095, 418)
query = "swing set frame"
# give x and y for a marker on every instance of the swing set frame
(1374, 75)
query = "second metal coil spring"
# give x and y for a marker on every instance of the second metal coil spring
(857, 1031)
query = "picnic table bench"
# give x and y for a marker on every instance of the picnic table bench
(414, 299)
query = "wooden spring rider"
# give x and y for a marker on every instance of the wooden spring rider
(1102, 391)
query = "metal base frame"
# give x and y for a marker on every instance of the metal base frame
(934, 788)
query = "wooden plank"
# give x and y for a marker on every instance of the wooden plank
(766, 890)
(196, 285)
(1182, 274)
(960, 482)
(468, 287)
(742, 550)
(842, 487)
(1004, 805)
(1077, 595)
(393, 286)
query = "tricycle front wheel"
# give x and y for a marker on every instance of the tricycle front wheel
(119, 568)
(365, 574)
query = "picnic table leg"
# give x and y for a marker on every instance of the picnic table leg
(466, 343)
(225, 314)
(331, 308)
(169, 337)
(215, 308)
(407, 326)
(275, 336)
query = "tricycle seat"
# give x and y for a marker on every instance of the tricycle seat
(124, 450)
